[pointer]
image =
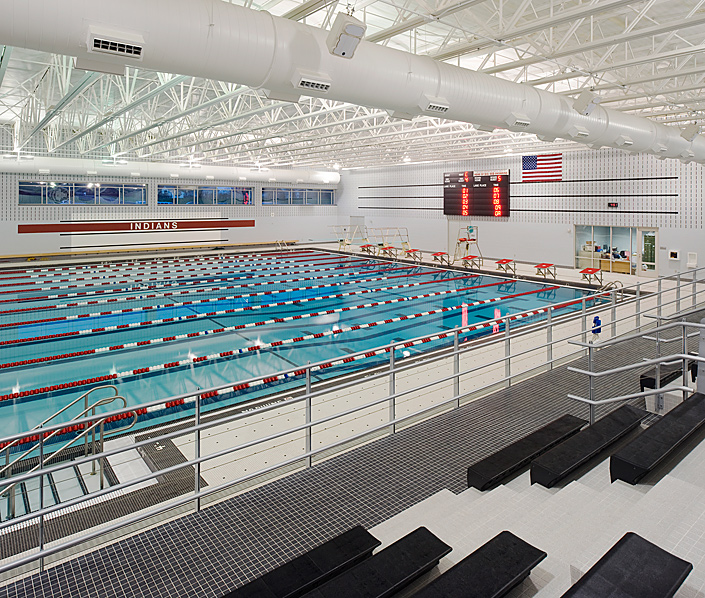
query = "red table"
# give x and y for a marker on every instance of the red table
(546, 270)
(414, 254)
(507, 266)
(592, 274)
(369, 248)
(388, 251)
(472, 261)
(441, 257)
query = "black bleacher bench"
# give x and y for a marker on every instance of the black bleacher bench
(669, 373)
(560, 461)
(493, 469)
(490, 572)
(633, 567)
(316, 566)
(633, 461)
(388, 571)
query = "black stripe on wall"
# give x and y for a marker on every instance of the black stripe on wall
(630, 195)
(386, 208)
(595, 211)
(399, 197)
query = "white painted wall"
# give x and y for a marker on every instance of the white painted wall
(541, 225)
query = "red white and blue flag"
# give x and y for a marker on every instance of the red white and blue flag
(548, 167)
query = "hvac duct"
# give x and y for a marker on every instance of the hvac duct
(222, 41)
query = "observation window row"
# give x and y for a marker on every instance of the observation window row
(43, 193)
(309, 197)
(204, 196)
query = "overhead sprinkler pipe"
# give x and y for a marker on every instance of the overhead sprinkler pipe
(226, 42)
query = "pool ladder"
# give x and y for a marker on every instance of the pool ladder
(93, 434)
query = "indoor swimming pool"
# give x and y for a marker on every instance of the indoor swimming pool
(160, 328)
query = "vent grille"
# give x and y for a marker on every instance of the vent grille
(437, 108)
(312, 84)
(117, 48)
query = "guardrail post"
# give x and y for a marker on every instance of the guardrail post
(613, 300)
(583, 309)
(41, 496)
(309, 432)
(684, 350)
(507, 352)
(701, 365)
(11, 497)
(659, 397)
(638, 305)
(659, 301)
(591, 394)
(678, 292)
(695, 288)
(549, 339)
(456, 368)
(392, 389)
(197, 453)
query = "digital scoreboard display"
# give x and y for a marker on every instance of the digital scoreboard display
(470, 194)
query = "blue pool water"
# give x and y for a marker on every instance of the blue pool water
(41, 307)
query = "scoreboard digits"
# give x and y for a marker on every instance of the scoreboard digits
(470, 194)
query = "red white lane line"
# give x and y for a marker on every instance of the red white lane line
(114, 278)
(159, 262)
(213, 300)
(211, 314)
(154, 286)
(227, 354)
(223, 288)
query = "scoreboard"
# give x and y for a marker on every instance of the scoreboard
(476, 194)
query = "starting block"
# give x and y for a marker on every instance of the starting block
(441, 257)
(388, 251)
(507, 266)
(591, 275)
(369, 248)
(414, 254)
(472, 261)
(546, 270)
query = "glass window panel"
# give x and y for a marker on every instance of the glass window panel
(58, 193)
(312, 197)
(327, 197)
(225, 195)
(166, 195)
(244, 196)
(84, 194)
(186, 196)
(109, 195)
(206, 196)
(134, 195)
(298, 196)
(584, 247)
(30, 193)
(268, 196)
(283, 196)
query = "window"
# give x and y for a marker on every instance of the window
(297, 197)
(204, 196)
(81, 194)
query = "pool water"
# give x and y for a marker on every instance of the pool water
(64, 331)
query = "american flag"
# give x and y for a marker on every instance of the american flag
(548, 167)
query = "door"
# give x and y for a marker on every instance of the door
(647, 252)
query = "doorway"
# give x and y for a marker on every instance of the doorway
(647, 252)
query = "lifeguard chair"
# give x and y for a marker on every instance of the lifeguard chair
(467, 248)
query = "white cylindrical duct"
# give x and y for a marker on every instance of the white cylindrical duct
(223, 41)
(46, 167)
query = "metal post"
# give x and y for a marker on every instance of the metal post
(93, 442)
(659, 397)
(613, 300)
(684, 350)
(309, 432)
(507, 352)
(549, 339)
(392, 389)
(591, 394)
(701, 365)
(638, 305)
(102, 448)
(694, 291)
(660, 298)
(584, 321)
(41, 496)
(11, 497)
(678, 292)
(197, 453)
(456, 368)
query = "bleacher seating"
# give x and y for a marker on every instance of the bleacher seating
(669, 373)
(389, 570)
(633, 461)
(491, 470)
(490, 572)
(316, 566)
(633, 567)
(560, 461)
